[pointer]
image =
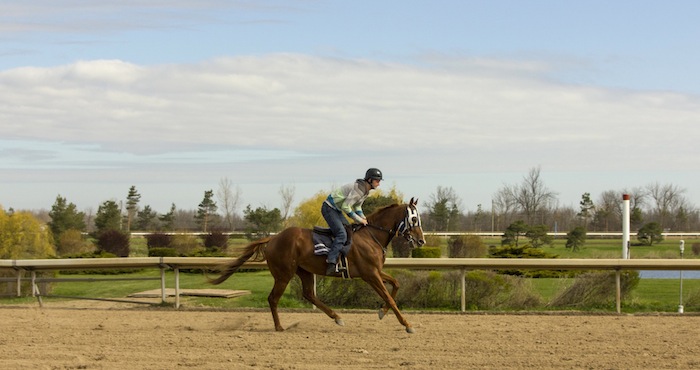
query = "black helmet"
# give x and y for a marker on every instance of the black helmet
(374, 174)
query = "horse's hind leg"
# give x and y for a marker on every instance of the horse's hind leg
(394, 290)
(307, 284)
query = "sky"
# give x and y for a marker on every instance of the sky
(174, 96)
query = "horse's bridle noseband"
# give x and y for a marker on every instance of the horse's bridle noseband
(410, 221)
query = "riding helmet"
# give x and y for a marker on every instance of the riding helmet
(374, 174)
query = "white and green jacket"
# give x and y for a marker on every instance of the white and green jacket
(349, 198)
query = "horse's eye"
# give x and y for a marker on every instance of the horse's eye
(414, 220)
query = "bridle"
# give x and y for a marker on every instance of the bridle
(404, 227)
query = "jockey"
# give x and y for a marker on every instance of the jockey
(347, 199)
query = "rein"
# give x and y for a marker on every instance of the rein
(391, 233)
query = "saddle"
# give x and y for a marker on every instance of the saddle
(323, 238)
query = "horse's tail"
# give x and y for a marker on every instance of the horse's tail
(256, 250)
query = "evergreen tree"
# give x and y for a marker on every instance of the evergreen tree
(262, 221)
(576, 238)
(145, 218)
(132, 205)
(65, 216)
(168, 220)
(206, 210)
(108, 217)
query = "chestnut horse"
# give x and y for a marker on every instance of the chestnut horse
(292, 252)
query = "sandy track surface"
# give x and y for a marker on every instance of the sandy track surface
(126, 337)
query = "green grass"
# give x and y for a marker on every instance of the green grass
(608, 248)
(650, 295)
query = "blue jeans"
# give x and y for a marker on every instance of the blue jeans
(336, 221)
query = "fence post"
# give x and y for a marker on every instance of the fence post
(177, 287)
(618, 290)
(464, 290)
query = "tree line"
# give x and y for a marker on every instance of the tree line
(529, 201)
(534, 203)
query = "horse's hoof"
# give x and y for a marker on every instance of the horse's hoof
(381, 314)
(410, 330)
(339, 322)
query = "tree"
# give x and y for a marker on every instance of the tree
(22, 236)
(132, 206)
(513, 233)
(587, 209)
(532, 196)
(206, 211)
(145, 218)
(538, 235)
(108, 217)
(308, 213)
(504, 205)
(262, 221)
(65, 216)
(287, 194)
(650, 233)
(168, 219)
(667, 199)
(478, 216)
(576, 238)
(444, 209)
(229, 199)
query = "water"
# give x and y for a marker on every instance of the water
(672, 274)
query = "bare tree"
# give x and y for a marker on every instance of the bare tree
(287, 194)
(532, 197)
(504, 205)
(607, 208)
(229, 199)
(667, 200)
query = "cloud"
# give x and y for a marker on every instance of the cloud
(293, 103)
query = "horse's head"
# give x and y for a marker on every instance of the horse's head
(410, 228)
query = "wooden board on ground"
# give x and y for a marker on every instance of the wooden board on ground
(222, 293)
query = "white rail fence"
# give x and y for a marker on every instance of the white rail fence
(21, 267)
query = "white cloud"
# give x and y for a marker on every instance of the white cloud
(296, 103)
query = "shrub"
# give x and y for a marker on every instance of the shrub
(466, 246)
(490, 290)
(430, 289)
(115, 242)
(72, 242)
(158, 240)
(696, 249)
(526, 251)
(433, 240)
(185, 245)
(650, 233)
(596, 289)
(401, 248)
(216, 241)
(426, 252)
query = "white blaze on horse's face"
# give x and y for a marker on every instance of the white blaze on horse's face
(412, 229)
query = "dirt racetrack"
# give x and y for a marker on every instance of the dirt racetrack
(98, 336)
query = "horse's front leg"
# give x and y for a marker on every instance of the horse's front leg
(394, 290)
(375, 281)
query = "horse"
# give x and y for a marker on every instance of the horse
(291, 252)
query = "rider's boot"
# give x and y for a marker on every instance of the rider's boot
(330, 269)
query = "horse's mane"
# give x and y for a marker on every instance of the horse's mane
(380, 211)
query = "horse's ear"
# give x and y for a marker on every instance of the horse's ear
(414, 201)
